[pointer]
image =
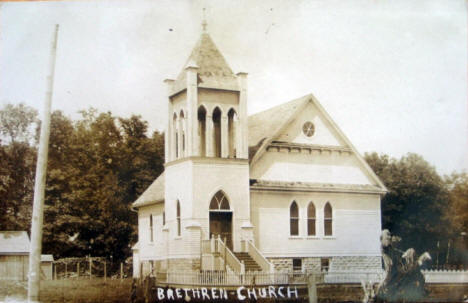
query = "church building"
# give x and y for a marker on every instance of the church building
(280, 190)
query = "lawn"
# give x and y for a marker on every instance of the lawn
(76, 291)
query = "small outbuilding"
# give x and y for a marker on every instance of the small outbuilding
(14, 257)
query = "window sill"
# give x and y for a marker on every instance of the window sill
(151, 243)
(329, 238)
(295, 237)
(178, 238)
(313, 238)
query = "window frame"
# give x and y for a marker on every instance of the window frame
(328, 220)
(294, 220)
(178, 219)
(313, 219)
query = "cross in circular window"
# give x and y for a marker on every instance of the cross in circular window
(308, 129)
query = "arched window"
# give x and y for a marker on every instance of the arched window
(328, 220)
(151, 228)
(217, 132)
(294, 219)
(232, 133)
(182, 133)
(178, 218)
(311, 219)
(219, 201)
(202, 130)
(176, 137)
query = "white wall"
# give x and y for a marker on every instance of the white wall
(150, 250)
(356, 224)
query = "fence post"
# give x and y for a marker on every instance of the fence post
(225, 254)
(312, 288)
(121, 271)
(55, 270)
(66, 271)
(105, 271)
(78, 269)
(90, 266)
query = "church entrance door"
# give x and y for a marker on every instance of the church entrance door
(221, 224)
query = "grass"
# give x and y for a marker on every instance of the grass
(76, 291)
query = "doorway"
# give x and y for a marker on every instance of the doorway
(221, 225)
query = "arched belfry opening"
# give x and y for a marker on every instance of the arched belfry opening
(217, 132)
(221, 218)
(232, 133)
(202, 131)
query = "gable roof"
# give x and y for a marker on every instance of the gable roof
(264, 125)
(153, 194)
(14, 242)
(213, 70)
(267, 130)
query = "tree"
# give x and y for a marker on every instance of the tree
(17, 158)
(414, 206)
(98, 166)
(16, 122)
(457, 215)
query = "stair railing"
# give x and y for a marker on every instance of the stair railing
(229, 258)
(249, 247)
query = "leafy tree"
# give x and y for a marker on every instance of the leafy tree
(97, 167)
(414, 206)
(457, 214)
(17, 162)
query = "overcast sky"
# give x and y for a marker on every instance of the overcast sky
(392, 74)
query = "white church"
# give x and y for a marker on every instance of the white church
(283, 189)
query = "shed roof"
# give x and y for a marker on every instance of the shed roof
(14, 242)
(47, 258)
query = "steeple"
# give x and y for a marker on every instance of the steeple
(213, 70)
(207, 110)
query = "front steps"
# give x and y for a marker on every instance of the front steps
(249, 263)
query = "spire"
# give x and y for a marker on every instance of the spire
(213, 70)
(204, 23)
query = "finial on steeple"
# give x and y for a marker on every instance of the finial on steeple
(204, 24)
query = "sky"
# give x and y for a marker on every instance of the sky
(392, 74)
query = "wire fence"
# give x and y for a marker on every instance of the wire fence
(91, 267)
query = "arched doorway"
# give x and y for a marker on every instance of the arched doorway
(221, 218)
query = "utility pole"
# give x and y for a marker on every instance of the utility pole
(39, 186)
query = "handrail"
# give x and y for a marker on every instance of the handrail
(206, 246)
(258, 257)
(230, 259)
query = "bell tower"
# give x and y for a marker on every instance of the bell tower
(207, 107)
(207, 150)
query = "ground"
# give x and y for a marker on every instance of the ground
(98, 290)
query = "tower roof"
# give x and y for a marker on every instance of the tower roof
(213, 70)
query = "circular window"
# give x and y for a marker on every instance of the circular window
(308, 128)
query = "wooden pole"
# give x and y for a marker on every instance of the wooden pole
(90, 266)
(55, 270)
(312, 288)
(121, 271)
(66, 270)
(78, 269)
(39, 187)
(105, 271)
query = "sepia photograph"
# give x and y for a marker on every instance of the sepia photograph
(234, 151)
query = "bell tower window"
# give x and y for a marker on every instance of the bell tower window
(217, 132)
(202, 130)
(232, 133)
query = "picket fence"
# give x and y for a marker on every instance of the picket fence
(222, 278)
